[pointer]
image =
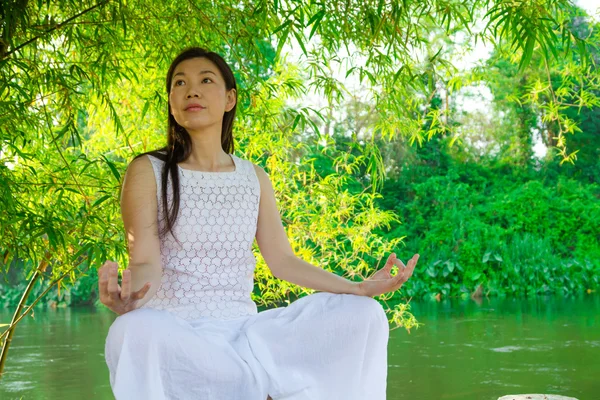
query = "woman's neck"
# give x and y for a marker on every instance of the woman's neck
(207, 155)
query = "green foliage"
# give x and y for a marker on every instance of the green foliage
(557, 97)
(81, 292)
(512, 233)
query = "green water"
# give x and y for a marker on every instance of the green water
(464, 350)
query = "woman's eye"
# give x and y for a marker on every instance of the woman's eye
(207, 79)
(179, 82)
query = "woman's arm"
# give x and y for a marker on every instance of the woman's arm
(277, 251)
(139, 212)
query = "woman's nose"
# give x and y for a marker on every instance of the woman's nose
(193, 92)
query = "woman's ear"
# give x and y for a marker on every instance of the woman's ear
(231, 100)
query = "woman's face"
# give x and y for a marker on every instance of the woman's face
(198, 96)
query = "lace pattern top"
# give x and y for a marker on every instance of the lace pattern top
(210, 271)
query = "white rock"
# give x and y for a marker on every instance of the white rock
(535, 397)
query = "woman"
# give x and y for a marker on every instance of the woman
(187, 327)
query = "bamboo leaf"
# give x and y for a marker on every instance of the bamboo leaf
(281, 27)
(145, 109)
(282, 40)
(528, 51)
(315, 20)
(101, 200)
(300, 42)
(112, 167)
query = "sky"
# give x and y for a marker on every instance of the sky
(591, 6)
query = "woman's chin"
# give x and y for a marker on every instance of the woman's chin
(195, 126)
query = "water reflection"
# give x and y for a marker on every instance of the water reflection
(58, 354)
(464, 350)
(470, 351)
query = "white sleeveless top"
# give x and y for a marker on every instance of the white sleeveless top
(210, 272)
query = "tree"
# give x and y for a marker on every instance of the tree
(553, 97)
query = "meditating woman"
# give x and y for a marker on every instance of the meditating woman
(187, 327)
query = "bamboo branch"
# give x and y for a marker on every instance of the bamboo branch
(6, 345)
(56, 27)
(222, 34)
(28, 309)
(86, 199)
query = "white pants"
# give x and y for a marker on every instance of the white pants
(321, 347)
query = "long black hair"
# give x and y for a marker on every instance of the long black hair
(179, 142)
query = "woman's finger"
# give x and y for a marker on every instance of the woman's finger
(390, 262)
(401, 268)
(103, 285)
(387, 268)
(405, 273)
(412, 268)
(104, 268)
(113, 283)
(142, 292)
(400, 264)
(399, 278)
(399, 284)
(126, 285)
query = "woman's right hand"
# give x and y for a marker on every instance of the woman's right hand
(118, 299)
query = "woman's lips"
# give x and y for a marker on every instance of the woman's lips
(195, 108)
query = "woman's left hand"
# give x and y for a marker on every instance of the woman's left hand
(383, 282)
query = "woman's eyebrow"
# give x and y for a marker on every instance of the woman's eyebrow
(199, 73)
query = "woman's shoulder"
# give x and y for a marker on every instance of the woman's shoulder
(152, 160)
(140, 174)
(156, 156)
(260, 172)
(147, 164)
(250, 166)
(139, 163)
(261, 175)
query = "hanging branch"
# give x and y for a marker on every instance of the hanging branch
(5, 346)
(62, 156)
(16, 319)
(56, 27)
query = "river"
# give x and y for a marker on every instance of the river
(463, 350)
